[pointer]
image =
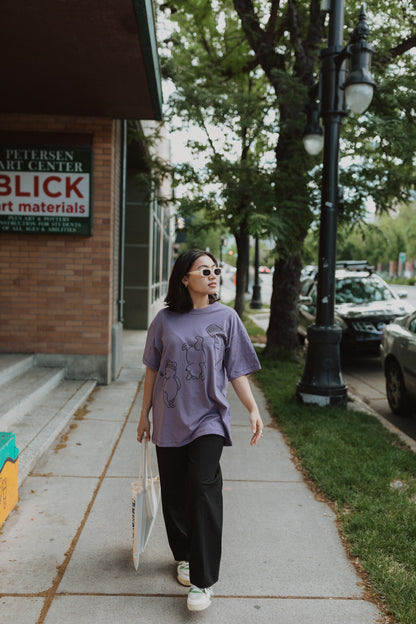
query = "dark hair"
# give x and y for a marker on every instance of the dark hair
(178, 298)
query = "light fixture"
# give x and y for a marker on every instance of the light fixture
(359, 85)
(358, 96)
(313, 135)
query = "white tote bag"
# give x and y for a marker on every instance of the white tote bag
(145, 503)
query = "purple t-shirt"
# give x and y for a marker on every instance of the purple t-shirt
(195, 353)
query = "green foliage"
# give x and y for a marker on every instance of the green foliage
(378, 242)
(249, 79)
(382, 240)
(220, 89)
(196, 233)
(380, 146)
(245, 68)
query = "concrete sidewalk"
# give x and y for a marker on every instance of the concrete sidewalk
(65, 555)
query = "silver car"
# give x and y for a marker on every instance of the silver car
(398, 354)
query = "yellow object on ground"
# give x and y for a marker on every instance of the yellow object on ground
(9, 462)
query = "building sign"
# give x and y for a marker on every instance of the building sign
(45, 190)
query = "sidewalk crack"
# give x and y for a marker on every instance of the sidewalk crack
(51, 593)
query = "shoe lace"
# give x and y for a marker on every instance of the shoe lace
(201, 590)
(184, 565)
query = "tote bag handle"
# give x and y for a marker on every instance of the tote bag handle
(145, 467)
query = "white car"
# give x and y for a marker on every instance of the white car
(364, 304)
(398, 354)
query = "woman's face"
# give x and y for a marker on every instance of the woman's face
(197, 284)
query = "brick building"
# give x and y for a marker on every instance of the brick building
(84, 248)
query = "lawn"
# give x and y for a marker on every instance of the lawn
(365, 472)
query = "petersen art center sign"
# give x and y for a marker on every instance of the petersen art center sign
(45, 190)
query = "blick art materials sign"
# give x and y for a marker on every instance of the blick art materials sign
(45, 190)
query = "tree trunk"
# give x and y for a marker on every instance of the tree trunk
(282, 330)
(292, 198)
(241, 239)
(293, 203)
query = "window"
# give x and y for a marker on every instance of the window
(362, 290)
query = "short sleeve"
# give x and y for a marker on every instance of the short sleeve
(153, 349)
(240, 357)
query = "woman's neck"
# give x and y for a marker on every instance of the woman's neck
(200, 302)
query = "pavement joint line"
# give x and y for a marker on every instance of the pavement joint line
(40, 475)
(225, 596)
(69, 476)
(51, 593)
(263, 481)
(98, 420)
(222, 596)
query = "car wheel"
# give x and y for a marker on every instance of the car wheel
(395, 389)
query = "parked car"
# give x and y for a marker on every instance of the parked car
(364, 305)
(308, 270)
(398, 355)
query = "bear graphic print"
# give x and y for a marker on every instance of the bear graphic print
(171, 384)
(195, 359)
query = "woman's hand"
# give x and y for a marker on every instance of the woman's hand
(143, 429)
(256, 427)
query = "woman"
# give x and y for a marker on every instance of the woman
(194, 346)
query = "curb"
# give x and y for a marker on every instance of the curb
(29, 457)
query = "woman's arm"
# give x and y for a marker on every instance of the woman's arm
(242, 389)
(143, 428)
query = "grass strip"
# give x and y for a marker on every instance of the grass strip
(368, 474)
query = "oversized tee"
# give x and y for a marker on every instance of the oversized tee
(195, 353)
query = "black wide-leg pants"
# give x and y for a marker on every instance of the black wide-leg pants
(191, 487)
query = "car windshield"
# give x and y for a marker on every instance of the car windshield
(362, 290)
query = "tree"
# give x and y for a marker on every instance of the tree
(194, 233)
(285, 37)
(217, 67)
(285, 42)
(382, 240)
(232, 105)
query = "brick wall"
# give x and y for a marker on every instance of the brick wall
(56, 291)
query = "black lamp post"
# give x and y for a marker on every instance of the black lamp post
(322, 382)
(223, 243)
(256, 302)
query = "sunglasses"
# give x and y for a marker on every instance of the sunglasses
(205, 272)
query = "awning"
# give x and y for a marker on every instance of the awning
(80, 57)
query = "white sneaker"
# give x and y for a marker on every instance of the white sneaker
(183, 573)
(199, 599)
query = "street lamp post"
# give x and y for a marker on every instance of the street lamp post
(256, 302)
(223, 243)
(322, 382)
